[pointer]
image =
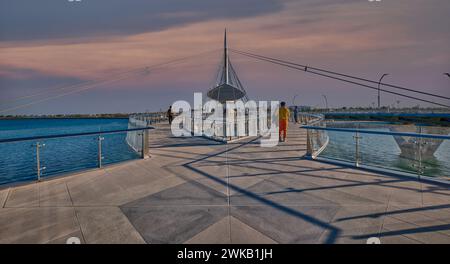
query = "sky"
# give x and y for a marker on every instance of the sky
(48, 48)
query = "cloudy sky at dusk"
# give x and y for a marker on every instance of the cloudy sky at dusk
(48, 47)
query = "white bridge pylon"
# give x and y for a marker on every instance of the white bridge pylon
(228, 86)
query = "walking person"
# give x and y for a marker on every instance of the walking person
(296, 114)
(283, 115)
(170, 115)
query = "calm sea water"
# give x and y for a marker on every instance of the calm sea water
(383, 151)
(18, 159)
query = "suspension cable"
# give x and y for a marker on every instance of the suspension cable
(86, 85)
(343, 75)
(316, 72)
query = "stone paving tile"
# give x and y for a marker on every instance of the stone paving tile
(244, 183)
(398, 240)
(101, 190)
(173, 224)
(354, 221)
(189, 193)
(405, 199)
(230, 230)
(3, 196)
(426, 232)
(54, 194)
(218, 184)
(36, 225)
(300, 224)
(436, 212)
(24, 196)
(106, 225)
(435, 195)
(148, 187)
(281, 194)
(211, 176)
(63, 239)
(244, 234)
(217, 233)
(419, 216)
(375, 193)
(338, 193)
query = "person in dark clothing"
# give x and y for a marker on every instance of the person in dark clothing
(296, 114)
(170, 115)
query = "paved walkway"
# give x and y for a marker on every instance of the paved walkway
(193, 190)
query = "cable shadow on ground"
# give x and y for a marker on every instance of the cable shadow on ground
(333, 232)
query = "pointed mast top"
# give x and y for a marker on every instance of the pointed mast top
(225, 39)
(225, 51)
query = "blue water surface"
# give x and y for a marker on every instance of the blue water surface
(61, 155)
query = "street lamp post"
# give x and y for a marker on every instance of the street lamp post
(326, 101)
(379, 84)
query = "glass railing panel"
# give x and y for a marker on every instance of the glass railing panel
(341, 146)
(416, 155)
(68, 154)
(434, 159)
(207, 127)
(218, 128)
(19, 162)
(115, 148)
(386, 151)
(413, 152)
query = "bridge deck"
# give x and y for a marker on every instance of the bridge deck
(193, 190)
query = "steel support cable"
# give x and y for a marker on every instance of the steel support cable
(61, 95)
(301, 68)
(101, 81)
(81, 88)
(76, 85)
(45, 91)
(343, 75)
(105, 78)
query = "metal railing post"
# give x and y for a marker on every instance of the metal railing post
(357, 137)
(192, 123)
(100, 155)
(420, 168)
(38, 163)
(38, 160)
(144, 153)
(309, 148)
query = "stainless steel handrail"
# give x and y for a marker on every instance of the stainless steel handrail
(364, 131)
(73, 135)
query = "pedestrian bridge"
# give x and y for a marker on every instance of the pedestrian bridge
(195, 190)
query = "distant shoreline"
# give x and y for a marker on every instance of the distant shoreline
(35, 118)
(99, 116)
